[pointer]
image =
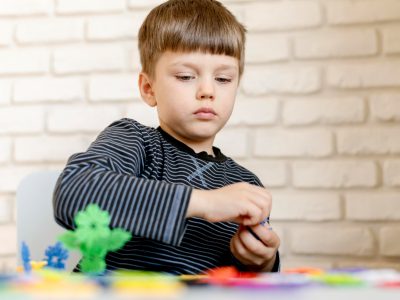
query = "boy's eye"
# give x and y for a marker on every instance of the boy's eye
(184, 77)
(223, 79)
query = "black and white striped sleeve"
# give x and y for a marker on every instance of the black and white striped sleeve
(103, 175)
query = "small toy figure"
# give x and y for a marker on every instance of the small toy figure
(56, 256)
(94, 238)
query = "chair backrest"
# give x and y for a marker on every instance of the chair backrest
(35, 221)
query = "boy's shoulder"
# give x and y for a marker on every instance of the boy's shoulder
(243, 171)
(127, 125)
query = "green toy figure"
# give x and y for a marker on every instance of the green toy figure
(94, 238)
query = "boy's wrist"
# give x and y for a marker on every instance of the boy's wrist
(196, 207)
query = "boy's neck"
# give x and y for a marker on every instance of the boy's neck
(197, 146)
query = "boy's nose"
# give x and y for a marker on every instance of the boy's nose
(205, 91)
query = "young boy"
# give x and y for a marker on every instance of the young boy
(188, 206)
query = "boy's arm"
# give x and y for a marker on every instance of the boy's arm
(147, 208)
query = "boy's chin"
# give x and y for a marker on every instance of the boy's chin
(205, 130)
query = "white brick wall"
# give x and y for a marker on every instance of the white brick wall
(113, 87)
(47, 31)
(369, 141)
(317, 116)
(385, 107)
(259, 80)
(296, 143)
(74, 119)
(388, 203)
(391, 40)
(5, 91)
(115, 27)
(11, 8)
(24, 61)
(5, 149)
(6, 30)
(265, 15)
(391, 173)
(334, 174)
(28, 119)
(359, 11)
(389, 237)
(306, 206)
(366, 75)
(324, 111)
(332, 240)
(89, 6)
(39, 89)
(336, 43)
(92, 58)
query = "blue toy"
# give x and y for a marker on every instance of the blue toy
(56, 256)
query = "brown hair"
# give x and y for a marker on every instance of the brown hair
(190, 25)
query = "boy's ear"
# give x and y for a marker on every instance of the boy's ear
(146, 89)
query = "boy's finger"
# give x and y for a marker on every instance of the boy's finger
(252, 245)
(254, 214)
(251, 252)
(240, 250)
(268, 237)
(261, 202)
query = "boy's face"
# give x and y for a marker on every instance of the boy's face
(194, 93)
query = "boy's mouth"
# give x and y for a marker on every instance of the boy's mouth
(205, 113)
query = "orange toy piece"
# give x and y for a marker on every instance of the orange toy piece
(304, 270)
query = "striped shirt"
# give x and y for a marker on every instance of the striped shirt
(144, 178)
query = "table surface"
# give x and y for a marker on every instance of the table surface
(215, 293)
(56, 286)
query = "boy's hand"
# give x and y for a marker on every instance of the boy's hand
(241, 202)
(256, 255)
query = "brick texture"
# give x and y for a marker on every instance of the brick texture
(368, 75)
(356, 12)
(5, 91)
(24, 61)
(49, 89)
(334, 174)
(282, 15)
(5, 149)
(84, 59)
(11, 8)
(336, 43)
(373, 207)
(310, 207)
(385, 107)
(6, 31)
(391, 173)
(254, 111)
(391, 40)
(89, 6)
(113, 87)
(46, 31)
(48, 149)
(369, 141)
(330, 240)
(301, 143)
(65, 119)
(6, 207)
(9, 239)
(389, 245)
(271, 173)
(317, 115)
(340, 110)
(261, 81)
(21, 120)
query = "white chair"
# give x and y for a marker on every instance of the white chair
(35, 221)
